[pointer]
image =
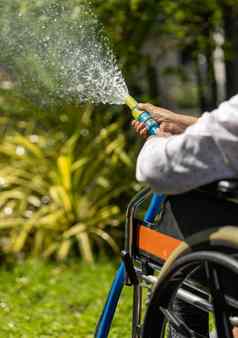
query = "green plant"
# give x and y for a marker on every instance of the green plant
(58, 193)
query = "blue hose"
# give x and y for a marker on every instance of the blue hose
(151, 125)
(154, 208)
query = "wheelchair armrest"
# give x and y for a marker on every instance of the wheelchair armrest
(228, 187)
(224, 188)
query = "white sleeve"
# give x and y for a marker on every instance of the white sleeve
(205, 152)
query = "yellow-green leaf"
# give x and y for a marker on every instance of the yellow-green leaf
(64, 166)
(64, 249)
(85, 247)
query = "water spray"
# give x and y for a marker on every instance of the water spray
(144, 117)
(55, 62)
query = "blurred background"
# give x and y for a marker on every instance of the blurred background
(67, 173)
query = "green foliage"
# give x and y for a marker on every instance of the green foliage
(67, 172)
(59, 193)
(129, 24)
(192, 22)
(40, 299)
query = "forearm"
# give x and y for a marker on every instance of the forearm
(177, 124)
(185, 120)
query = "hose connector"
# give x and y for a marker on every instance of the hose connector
(143, 117)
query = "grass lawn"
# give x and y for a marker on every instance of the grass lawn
(40, 299)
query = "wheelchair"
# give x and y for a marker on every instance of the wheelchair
(181, 249)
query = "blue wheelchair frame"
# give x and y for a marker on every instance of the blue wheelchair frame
(109, 309)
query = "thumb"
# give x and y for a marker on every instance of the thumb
(150, 108)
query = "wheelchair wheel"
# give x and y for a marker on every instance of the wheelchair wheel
(218, 291)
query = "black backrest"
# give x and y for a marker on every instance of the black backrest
(212, 205)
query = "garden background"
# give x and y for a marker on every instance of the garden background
(67, 173)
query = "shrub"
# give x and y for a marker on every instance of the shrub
(59, 193)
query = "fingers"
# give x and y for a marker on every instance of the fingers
(158, 113)
(139, 128)
(235, 332)
(150, 108)
(166, 128)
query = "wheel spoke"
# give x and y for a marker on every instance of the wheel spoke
(164, 313)
(179, 325)
(223, 326)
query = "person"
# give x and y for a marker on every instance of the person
(179, 158)
(189, 152)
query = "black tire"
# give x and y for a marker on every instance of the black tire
(214, 264)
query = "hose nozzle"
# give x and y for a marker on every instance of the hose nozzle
(144, 117)
(132, 104)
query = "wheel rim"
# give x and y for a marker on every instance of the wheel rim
(155, 318)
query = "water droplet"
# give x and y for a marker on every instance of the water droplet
(79, 57)
(80, 87)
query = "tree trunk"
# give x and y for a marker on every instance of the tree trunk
(211, 84)
(211, 79)
(152, 80)
(205, 71)
(230, 20)
(200, 86)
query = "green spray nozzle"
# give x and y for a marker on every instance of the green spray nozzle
(132, 104)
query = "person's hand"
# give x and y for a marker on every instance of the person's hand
(235, 332)
(140, 128)
(170, 122)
